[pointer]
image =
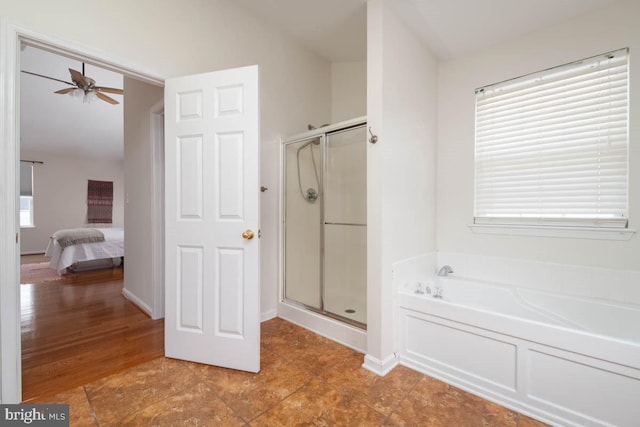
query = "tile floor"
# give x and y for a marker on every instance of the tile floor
(305, 379)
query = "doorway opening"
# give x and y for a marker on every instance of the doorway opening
(153, 237)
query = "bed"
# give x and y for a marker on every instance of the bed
(85, 249)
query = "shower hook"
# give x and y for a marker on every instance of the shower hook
(374, 138)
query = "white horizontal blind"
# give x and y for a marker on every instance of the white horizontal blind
(551, 147)
(26, 179)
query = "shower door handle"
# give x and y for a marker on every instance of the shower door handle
(248, 234)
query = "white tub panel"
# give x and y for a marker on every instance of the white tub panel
(598, 394)
(557, 375)
(478, 356)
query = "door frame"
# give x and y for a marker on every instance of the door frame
(11, 36)
(157, 210)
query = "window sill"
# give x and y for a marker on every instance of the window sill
(555, 231)
(27, 226)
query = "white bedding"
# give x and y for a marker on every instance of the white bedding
(112, 247)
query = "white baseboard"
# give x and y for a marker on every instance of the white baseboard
(339, 332)
(268, 315)
(380, 367)
(137, 301)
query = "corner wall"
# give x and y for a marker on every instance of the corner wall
(600, 31)
(139, 99)
(401, 176)
(348, 90)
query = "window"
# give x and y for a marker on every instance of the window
(551, 147)
(26, 195)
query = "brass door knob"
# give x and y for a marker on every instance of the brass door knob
(248, 234)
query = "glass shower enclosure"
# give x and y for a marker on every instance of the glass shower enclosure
(325, 225)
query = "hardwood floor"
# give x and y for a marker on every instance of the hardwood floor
(79, 329)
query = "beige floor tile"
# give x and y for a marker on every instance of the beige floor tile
(118, 396)
(381, 393)
(434, 403)
(524, 421)
(251, 394)
(198, 406)
(319, 404)
(305, 379)
(80, 412)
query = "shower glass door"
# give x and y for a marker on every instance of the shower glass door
(345, 224)
(325, 223)
(303, 208)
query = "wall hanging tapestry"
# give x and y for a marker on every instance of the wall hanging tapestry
(100, 202)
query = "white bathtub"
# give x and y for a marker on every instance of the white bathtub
(561, 359)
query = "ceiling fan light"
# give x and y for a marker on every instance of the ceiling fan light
(88, 97)
(77, 93)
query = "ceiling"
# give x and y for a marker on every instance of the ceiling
(62, 123)
(333, 29)
(336, 29)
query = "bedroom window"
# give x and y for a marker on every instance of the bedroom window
(26, 195)
(551, 148)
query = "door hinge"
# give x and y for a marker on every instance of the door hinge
(17, 237)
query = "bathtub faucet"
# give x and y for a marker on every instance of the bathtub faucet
(444, 271)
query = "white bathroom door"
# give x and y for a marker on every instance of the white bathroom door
(212, 218)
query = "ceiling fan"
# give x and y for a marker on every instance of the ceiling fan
(83, 86)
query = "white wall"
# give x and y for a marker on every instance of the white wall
(60, 195)
(198, 37)
(184, 38)
(610, 28)
(139, 99)
(348, 90)
(401, 176)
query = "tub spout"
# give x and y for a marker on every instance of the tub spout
(444, 271)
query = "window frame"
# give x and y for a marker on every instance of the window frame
(29, 212)
(26, 193)
(538, 223)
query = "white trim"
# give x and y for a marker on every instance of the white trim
(32, 253)
(268, 315)
(84, 53)
(335, 330)
(137, 301)
(10, 346)
(595, 233)
(157, 209)
(10, 38)
(381, 367)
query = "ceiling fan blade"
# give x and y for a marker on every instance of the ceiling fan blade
(65, 91)
(47, 77)
(109, 90)
(78, 78)
(106, 98)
